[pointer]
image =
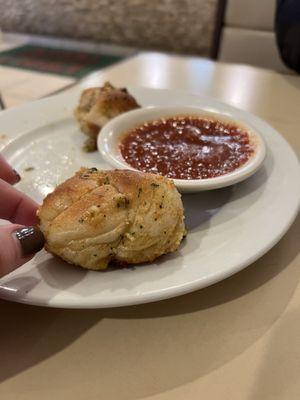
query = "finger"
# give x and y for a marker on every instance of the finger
(7, 173)
(18, 245)
(15, 206)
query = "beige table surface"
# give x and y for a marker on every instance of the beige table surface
(236, 340)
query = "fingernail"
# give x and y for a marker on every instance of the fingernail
(18, 177)
(30, 238)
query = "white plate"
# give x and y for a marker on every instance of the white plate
(113, 131)
(228, 228)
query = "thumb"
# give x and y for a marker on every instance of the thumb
(17, 245)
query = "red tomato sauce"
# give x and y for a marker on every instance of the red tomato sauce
(187, 147)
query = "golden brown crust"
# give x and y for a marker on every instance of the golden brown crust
(124, 216)
(98, 105)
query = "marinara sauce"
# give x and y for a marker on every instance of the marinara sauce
(187, 147)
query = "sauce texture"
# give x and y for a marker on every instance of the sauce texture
(187, 147)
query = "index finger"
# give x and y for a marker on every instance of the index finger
(15, 206)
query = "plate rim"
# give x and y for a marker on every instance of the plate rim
(186, 287)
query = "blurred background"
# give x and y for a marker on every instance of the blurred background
(71, 38)
(239, 31)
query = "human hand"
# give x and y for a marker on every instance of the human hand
(21, 239)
